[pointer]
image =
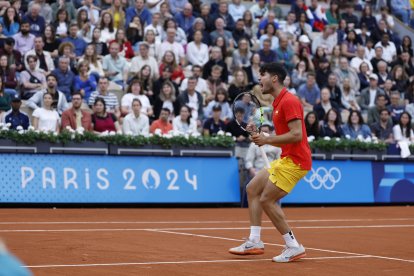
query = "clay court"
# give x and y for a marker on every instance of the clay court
(142, 241)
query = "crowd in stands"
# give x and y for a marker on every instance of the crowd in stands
(135, 66)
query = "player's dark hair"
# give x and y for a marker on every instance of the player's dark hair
(274, 69)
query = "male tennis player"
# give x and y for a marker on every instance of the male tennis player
(270, 185)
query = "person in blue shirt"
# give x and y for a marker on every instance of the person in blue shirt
(10, 22)
(185, 19)
(65, 77)
(214, 124)
(85, 83)
(309, 92)
(139, 10)
(16, 117)
(36, 21)
(79, 43)
(355, 127)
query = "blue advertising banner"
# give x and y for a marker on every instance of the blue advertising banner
(50, 178)
(393, 182)
(335, 182)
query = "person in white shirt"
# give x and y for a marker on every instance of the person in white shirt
(93, 13)
(259, 10)
(388, 47)
(171, 45)
(360, 58)
(136, 123)
(135, 92)
(45, 118)
(155, 26)
(144, 59)
(403, 131)
(183, 123)
(236, 9)
(197, 51)
(201, 86)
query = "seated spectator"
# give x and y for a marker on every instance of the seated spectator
(94, 63)
(14, 116)
(234, 128)
(348, 96)
(402, 9)
(10, 22)
(300, 74)
(77, 42)
(61, 23)
(239, 33)
(221, 99)
(351, 19)
(103, 121)
(8, 76)
(266, 53)
(253, 71)
(221, 31)
(32, 80)
(184, 123)
(367, 18)
(199, 25)
(383, 75)
(136, 123)
(254, 159)
(23, 41)
(36, 21)
(238, 85)
(169, 59)
(271, 36)
(325, 105)
(140, 10)
(111, 100)
(214, 82)
(107, 27)
(156, 26)
(396, 108)
(364, 75)
(162, 123)
(101, 48)
(144, 59)
(125, 46)
(369, 94)
(115, 66)
(335, 58)
(167, 99)
(135, 92)
(185, 19)
(359, 59)
(331, 125)
(201, 86)
(135, 31)
(75, 117)
(84, 82)
(388, 47)
(214, 124)
(44, 59)
(309, 93)
(284, 53)
(46, 118)
(147, 82)
(289, 85)
(400, 79)
(192, 99)
(345, 71)
(242, 55)
(197, 51)
(250, 26)
(355, 127)
(5, 100)
(312, 125)
(170, 44)
(59, 102)
(403, 131)
(323, 73)
(14, 57)
(303, 29)
(154, 45)
(216, 58)
(383, 128)
(374, 113)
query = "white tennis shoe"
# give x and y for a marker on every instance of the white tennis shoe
(248, 248)
(290, 254)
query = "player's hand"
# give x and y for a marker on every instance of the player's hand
(259, 139)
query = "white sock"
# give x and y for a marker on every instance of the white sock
(255, 233)
(290, 239)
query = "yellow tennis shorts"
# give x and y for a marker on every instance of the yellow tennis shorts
(284, 173)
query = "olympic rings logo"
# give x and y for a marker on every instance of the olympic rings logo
(322, 177)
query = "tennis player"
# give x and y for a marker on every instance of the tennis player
(271, 185)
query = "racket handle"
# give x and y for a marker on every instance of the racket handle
(264, 156)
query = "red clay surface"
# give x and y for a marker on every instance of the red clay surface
(339, 241)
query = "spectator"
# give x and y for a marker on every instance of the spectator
(45, 118)
(221, 31)
(388, 47)
(303, 29)
(369, 94)
(234, 128)
(331, 124)
(185, 18)
(253, 71)
(254, 160)
(8, 76)
(214, 82)
(77, 42)
(220, 99)
(125, 46)
(383, 128)
(108, 30)
(141, 11)
(170, 60)
(10, 22)
(167, 99)
(65, 77)
(351, 19)
(156, 26)
(162, 123)
(171, 45)
(300, 74)
(95, 65)
(367, 18)
(322, 74)
(201, 86)
(385, 17)
(382, 73)
(101, 48)
(236, 10)
(312, 124)
(51, 43)
(214, 124)
(223, 13)
(364, 75)
(36, 21)
(180, 36)
(197, 52)
(399, 79)
(136, 123)
(216, 58)
(332, 14)
(359, 59)
(355, 127)
(75, 117)
(309, 93)
(5, 101)
(349, 45)
(84, 83)
(239, 33)
(325, 104)
(405, 61)
(377, 58)
(44, 59)
(348, 96)
(192, 99)
(64, 5)
(61, 24)
(336, 93)
(177, 6)
(135, 91)
(289, 85)
(403, 130)
(117, 12)
(264, 23)
(115, 66)
(59, 102)
(102, 121)
(284, 53)
(135, 31)
(335, 57)
(184, 123)
(23, 40)
(406, 46)
(199, 25)
(374, 112)
(395, 108)
(266, 53)
(249, 25)
(402, 9)
(66, 50)
(242, 55)
(16, 117)
(32, 80)
(259, 10)
(289, 28)
(111, 101)
(345, 71)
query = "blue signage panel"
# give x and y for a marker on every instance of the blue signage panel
(393, 182)
(335, 182)
(117, 179)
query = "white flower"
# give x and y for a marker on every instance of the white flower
(337, 139)
(8, 125)
(119, 132)
(186, 136)
(72, 136)
(168, 136)
(360, 138)
(228, 134)
(176, 133)
(4, 128)
(30, 128)
(21, 131)
(19, 128)
(1, 125)
(195, 134)
(150, 135)
(129, 133)
(55, 133)
(348, 136)
(80, 130)
(368, 139)
(112, 133)
(220, 132)
(327, 138)
(158, 132)
(311, 138)
(104, 133)
(68, 128)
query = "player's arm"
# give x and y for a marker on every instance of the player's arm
(294, 135)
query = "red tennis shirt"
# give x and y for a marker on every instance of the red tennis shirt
(287, 107)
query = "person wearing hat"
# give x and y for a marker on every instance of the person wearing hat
(369, 94)
(214, 124)
(16, 117)
(14, 57)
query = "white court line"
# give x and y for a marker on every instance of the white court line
(282, 245)
(195, 222)
(201, 228)
(187, 262)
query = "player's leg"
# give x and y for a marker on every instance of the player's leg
(253, 245)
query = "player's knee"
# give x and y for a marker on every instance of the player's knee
(265, 202)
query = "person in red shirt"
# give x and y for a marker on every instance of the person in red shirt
(162, 123)
(272, 184)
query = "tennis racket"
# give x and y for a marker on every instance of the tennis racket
(248, 111)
